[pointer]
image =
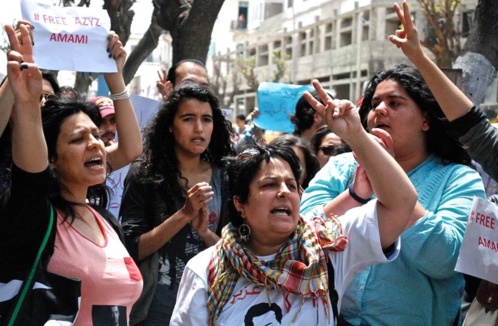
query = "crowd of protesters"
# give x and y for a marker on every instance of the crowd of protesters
(356, 218)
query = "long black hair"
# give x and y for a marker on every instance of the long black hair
(54, 113)
(440, 140)
(159, 163)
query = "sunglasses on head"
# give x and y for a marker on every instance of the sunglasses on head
(328, 150)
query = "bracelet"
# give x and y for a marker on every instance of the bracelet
(124, 95)
(360, 200)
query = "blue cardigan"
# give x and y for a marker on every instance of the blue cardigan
(420, 286)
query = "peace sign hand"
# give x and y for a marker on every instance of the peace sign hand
(341, 116)
(24, 76)
(407, 38)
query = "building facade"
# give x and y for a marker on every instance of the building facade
(339, 42)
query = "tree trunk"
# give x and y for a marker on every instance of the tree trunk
(191, 33)
(190, 24)
(145, 47)
(121, 17)
(83, 82)
(442, 36)
(479, 58)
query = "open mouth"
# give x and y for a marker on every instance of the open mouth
(94, 162)
(281, 211)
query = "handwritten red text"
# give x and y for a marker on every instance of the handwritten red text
(69, 38)
(484, 220)
(86, 21)
(488, 244)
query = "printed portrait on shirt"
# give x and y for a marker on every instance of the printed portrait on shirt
(109, 315)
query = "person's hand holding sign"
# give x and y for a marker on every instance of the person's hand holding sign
(129, 146)
(116, 50)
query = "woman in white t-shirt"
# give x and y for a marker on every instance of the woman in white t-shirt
(270, 266)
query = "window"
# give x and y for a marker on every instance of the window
(264, 57)
(302, 44)
(288, 47)
(329, 37)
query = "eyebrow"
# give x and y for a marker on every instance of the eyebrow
(83, 130)
(188, 114)
(391, 96)
(271, 177)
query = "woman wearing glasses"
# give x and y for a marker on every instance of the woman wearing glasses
(326, 144)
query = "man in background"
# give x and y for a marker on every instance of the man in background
(182, 72)
(108, 125)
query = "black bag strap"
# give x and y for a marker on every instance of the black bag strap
(334, 297)
(29, 281)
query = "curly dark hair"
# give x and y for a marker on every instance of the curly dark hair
(242, 169)
(440, 140)
(310, 160)
(159, 164)
(54, 113)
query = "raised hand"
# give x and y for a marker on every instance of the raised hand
(164, 86)
(384, 139)
(115, 80)
(407, 38)
(116, 51)
(24, 76)
(341, 116)
(28, 51)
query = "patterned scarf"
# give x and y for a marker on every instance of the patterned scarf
(299, 267)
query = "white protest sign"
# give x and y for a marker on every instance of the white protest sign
(69, 38)
(479, 251)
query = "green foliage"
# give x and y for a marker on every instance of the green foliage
(443, 34)
(280, 61)
(246, 67)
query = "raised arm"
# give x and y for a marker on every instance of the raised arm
(29, 150)
(6, 95)
(452, 100)
(129, 146)
(395, 193)
(6, 103)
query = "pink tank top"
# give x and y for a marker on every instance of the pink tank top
(110, 280)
